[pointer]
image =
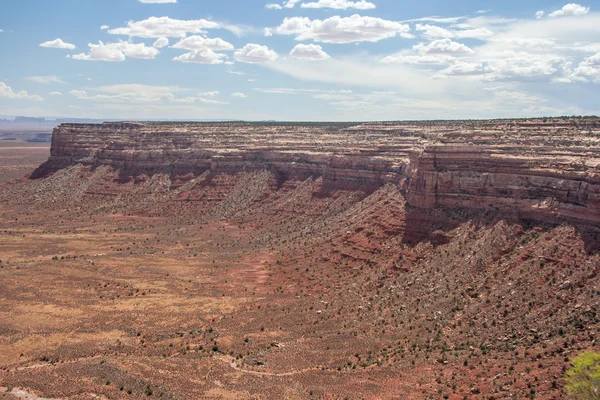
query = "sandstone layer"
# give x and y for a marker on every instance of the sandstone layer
(539, 169)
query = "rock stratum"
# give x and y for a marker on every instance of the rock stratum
(538, 169)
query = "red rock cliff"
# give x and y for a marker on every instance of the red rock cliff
(540, 169)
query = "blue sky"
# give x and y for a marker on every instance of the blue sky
(299, 59)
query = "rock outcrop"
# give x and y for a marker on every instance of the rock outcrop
(539, 169)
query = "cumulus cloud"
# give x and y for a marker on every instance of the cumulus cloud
(255, 53)
(55, 94)
(197, 42)
(508, 66)
(7, 92)
(570, 9)
(116, 52)
(312, 52)
(104, 27)
(338, 29)
(58, 44)
(438, 52)
(588, 69)
(273, 6)
(239, 95)
(540, 14)
(45, 79)
(206, 56)
(161, 42)
(157, 27)
(443, 46)
(340, 4)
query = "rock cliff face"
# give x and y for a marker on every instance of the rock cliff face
(539, 170)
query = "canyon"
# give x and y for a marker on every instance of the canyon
(417, 259)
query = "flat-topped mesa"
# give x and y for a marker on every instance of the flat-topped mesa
(540, 169)
(180, 149)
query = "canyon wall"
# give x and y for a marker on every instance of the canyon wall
(542, 169)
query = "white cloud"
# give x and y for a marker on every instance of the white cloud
(7, 92)
(205, 100)
(444, 47)
(309, 52)
(104, 27)
(157, 1)
(196, 42)
(116, 52)
(255, 53)
(45, 79)
(440, 20)
(529, 43)
(239, 95)
(161, 42)
(433, 31)
(438, 52)
(290, 3)
(337, 29)
(508, 66)
(230, 71)
(540, 14)
(273, 6)
(589, 68)
(209, 94)
(58, 44)
(587, 47)
(462, 68)
(206, 56)
(571, 9)
(340, 4)
(155, 27)
(55, 94)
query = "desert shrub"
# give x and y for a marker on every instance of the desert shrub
(583, 379)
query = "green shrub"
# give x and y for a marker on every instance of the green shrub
(583, 380)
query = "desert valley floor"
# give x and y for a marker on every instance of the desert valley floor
(248, 283)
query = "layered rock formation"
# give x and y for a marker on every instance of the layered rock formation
(539, 169)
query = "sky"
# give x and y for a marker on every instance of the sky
(299, 60)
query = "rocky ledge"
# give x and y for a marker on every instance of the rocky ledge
(540, 169)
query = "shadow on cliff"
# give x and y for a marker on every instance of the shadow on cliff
(436, 225)
(46, 169)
